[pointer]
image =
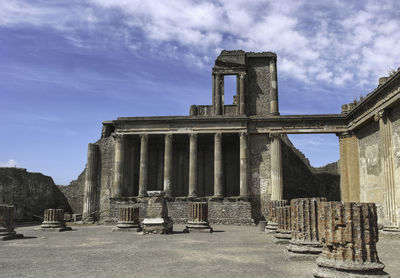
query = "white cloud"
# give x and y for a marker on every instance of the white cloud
(9, 163)
(334, 42)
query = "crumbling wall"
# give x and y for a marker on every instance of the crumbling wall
(74, 193)
(30, 193)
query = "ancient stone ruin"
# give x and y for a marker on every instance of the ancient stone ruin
(284, 230)
(128, 219)
(53, 221)
(157, 220)
(198, 217)
(7, 231)
(348, 233)
(273, 205)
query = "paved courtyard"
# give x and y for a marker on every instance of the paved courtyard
(95, 251)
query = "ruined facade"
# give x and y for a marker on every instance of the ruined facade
(231, 156)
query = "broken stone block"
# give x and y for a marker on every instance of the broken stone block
(157, 220)
(304, 221)
(128, 219)
(198, 217)
(54, 221)
(284, 232)
(271, 210)
(7, 223)
(348, 233)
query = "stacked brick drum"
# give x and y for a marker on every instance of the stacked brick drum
(7, 223)
(128, 219)
(348, 233)
(284, 232)
(198, 217)
(54, 221)
(272, 224)
(304, 221)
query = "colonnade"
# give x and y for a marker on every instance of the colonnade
(167, 183)
(218, 93)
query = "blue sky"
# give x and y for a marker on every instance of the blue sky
(66, 66)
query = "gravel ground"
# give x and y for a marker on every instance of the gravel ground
(95, 251)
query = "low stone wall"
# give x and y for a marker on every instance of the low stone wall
(224, 211)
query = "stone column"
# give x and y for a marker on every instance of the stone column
(54, 220)
(193, 165)
(348, 233)
(118, 166)
(89, 194)
(7, 223)
(198, 217)
(128, 219)
(284, 231)
(218, 96)
(168, 165)
(244, 191)
(242, 92)
(304, 221)
(144, 139)
(349, 168)
(218, 190)
(386, 156)
(276, 168)
(272, 206)
(273, 101)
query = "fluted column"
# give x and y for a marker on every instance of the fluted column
(386, 156)
(89, 195)
(193, 165)
(144, 139)
(273, 102)
(244, 191)
(218, 97)
(118, 166)
(218, 190)
(272, 207)
(128, 218)
(242, 93)
(348, 233)
(167, 164)
(53, 220)
(276, 168)
(284, 230)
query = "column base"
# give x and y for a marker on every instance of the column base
(198, 227)
(57, 229)
(334, 269)
(282, 237)
(10, 236)
(157, 226)
(391, 229)
(304, 247)
(127, 228)
(271, 227)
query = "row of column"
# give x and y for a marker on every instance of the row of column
(218, 186)
(218, 93)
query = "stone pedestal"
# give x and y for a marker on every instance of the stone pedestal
(198, 217)
(128, 220)
(272, 225)
(284, 232)
(157, 220)
(304, 221)
(7, 223)
(348, 233)
(54, 221)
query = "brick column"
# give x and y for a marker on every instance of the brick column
(168, 165)
(144, 139)
(272, 206)
(89, 195)
(193, 165)
(273, 102)
(7, 223)
(304, 214)
(284, 231)
(218, 190)
(386, 156)
(118, 166)
(242, 94)
(198, 217)
(54, 220)
(218, 96)
(276, 168)
(244, 191)
(348, 233)
(128, 219)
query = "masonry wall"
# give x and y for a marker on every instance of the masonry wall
(259, 82)
(395, 118)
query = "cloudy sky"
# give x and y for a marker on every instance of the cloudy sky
(66, 66)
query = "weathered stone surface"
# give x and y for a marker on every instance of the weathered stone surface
(53, 220)
(91, 183)
(348, 233)
(284, 230)
(304, 221)
(272, 207)
(198, 217)
(157, 220)
(128, 219)
(7, 223)
(29, 193)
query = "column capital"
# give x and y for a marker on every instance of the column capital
(169, 136)
(218, 135)
(346, 134)
(193, 135)
(243, 134)
(379, 115)
(242, 75)
(144, 136)
(275, 135)
(117, 136)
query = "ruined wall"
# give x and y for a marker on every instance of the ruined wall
(395, 118)
(74, 193)
(30, 193)
(371, 185)
(259, 82)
